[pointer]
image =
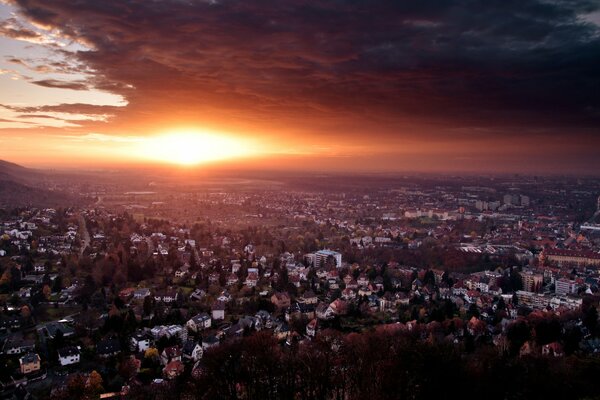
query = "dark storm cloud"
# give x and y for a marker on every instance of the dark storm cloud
(58, 84)
(72, 108)
(523, 63)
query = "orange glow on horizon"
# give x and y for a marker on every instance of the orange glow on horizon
(193, 147)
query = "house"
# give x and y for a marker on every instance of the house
(281, 300)
(10, 322)
(197, 294)
(199, 322)
(348, 294)
(309, 297)
(263, 320)
(236, 330)
(108, 348)
(213, 278)
(311, 328)
(39, 268)
(322, 311)
(181, 272)
(337, 307)
(282, 331)
(29, 363)
(173, 369)
(209, 341)
(17, 344)
(526, 349)
(140, 341)
(553, 349)
(362, 280)
(168, 296)
(218, 310)
(69, 355)
(126, 294)
(298, 310)
(52, 328)
(172, 353)
(141, 293)
(251, 280)
(192, 351)
(232, 279)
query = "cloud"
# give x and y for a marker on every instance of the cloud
(69, 108)
(13, 29)
(340, 68)
(58, 84)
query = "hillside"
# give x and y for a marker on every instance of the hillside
(20, 187)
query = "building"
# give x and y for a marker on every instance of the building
(108, 348)
(199, 322)
(531, 282)
(29, 363)
(218, 310)
(570, 257)
(192, 350)
(281, 300)
(140, 341)
(69, 355)
(322, 258)
(565, 286)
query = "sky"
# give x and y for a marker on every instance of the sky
(452, 85)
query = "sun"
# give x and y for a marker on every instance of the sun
(195, 147)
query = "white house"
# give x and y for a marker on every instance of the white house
(218, 310)
(199, 322)
(140, 341)
(192, 350)
(68, 355)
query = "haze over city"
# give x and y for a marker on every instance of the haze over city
(292, 199)
(324, 85)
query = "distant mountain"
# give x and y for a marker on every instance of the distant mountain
(21, 187)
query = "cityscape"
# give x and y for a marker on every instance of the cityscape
(299, 200)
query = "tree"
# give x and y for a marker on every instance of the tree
(590, 319)
(94, 383)
(151, 353)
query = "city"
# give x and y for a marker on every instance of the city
(137, 289)
(299, 200)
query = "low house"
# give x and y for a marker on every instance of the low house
(263, 320)
(218, 310)
(251, 279)
(168, 296)
(172, 353)
(53, 329)
(281, 300)
(141, 293)
(17, 344)
(168, 331)
(69, 355)
(553, 349)
(311, 328)
(192, 351)
(197, 294)
(309, 297)
(199, 322)
(322, 311)
(173, 369)
(29, 363)
(282, 331)
(209, 341)
(140, 341)
(108, 348)
(299, 310)
(232, 280)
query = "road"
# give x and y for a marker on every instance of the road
(84, 233)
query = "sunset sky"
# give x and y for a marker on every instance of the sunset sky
(429, 85)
